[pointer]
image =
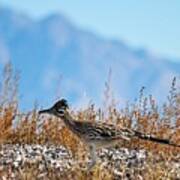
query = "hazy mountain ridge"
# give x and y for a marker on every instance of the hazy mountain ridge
(53, 48)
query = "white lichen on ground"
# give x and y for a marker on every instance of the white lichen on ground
(14, 157)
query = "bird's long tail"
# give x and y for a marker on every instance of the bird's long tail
(154, 139)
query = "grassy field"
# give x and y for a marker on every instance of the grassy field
(143, 115)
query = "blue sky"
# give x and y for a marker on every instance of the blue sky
(152, 24)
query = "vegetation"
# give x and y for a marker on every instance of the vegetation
(144, 115)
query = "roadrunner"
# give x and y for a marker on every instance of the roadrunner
(97, 135)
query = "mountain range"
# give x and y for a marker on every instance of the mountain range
(57, 58)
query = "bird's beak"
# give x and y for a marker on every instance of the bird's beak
(46, 111)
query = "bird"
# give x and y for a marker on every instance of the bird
(97, 135)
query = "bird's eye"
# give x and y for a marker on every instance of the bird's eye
(61, 111)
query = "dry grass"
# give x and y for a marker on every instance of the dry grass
(143, 115)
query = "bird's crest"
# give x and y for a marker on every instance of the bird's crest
(61, 104)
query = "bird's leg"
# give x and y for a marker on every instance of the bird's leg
(92, 150)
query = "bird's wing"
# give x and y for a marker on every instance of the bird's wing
(102, 131)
